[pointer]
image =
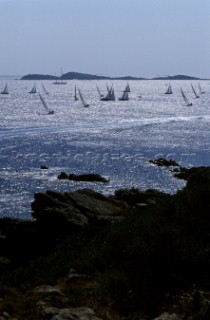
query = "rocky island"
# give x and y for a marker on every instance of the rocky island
(132, 255)
(83, 76)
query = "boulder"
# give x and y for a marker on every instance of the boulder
(134, 196)
(75, 209)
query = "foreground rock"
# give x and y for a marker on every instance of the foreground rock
(75, 209)
(193, 175)
(134, 196)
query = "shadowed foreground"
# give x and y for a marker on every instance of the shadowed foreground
(135, 255)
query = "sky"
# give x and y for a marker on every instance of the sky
(143, 38)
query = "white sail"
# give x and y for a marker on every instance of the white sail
(127, 88)
(169, 90)
(45, 90)
(99, 92)
(185, 98)
(75, 94)
(82, 99)
(45, 105)
(5, 91)
(110, 95)
(200, 89)
(196, 96)
(33, 90)
(125, 96)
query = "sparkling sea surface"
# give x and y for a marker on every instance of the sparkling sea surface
(115, 139)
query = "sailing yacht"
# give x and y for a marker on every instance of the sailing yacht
(5, 91)
(44, 89)
(57, 81)
(99, 92)
(125, 96)
(200, 89)
(127, 88)
(110, 95)
(33, 90)
(196, 96)
(75, 94)
(188, 103)
(82, 99)
(169, 90)
(49, 111)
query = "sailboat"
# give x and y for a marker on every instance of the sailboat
(49, 111)
(44, 89)
(196, 96)
(169, 90)
(200, 89)
(127, 88)
(5, 91)
(75, 94)
(125, 96)
(60, 81)
(82, 99)
(33, 90)
(185, 99)
(110, 95)
(99, 92)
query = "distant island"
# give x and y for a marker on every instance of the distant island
(84, 76)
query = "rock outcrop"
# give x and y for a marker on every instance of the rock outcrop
(92, 177)
(75, 209)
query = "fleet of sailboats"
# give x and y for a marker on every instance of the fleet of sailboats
(110, 96)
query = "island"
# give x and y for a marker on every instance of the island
(83, 76)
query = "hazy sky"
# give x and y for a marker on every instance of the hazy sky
(110, 37)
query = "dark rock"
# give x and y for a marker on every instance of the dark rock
(61, 211)
(44, 167)
(87, 177)
(163, 162)
(63, 175)
(92, 177)
(197, 174)
(134, 196)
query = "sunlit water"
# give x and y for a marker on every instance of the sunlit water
(115, 139)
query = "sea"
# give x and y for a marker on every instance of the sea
(115, 139)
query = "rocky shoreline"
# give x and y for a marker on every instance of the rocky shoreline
(133, 255)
